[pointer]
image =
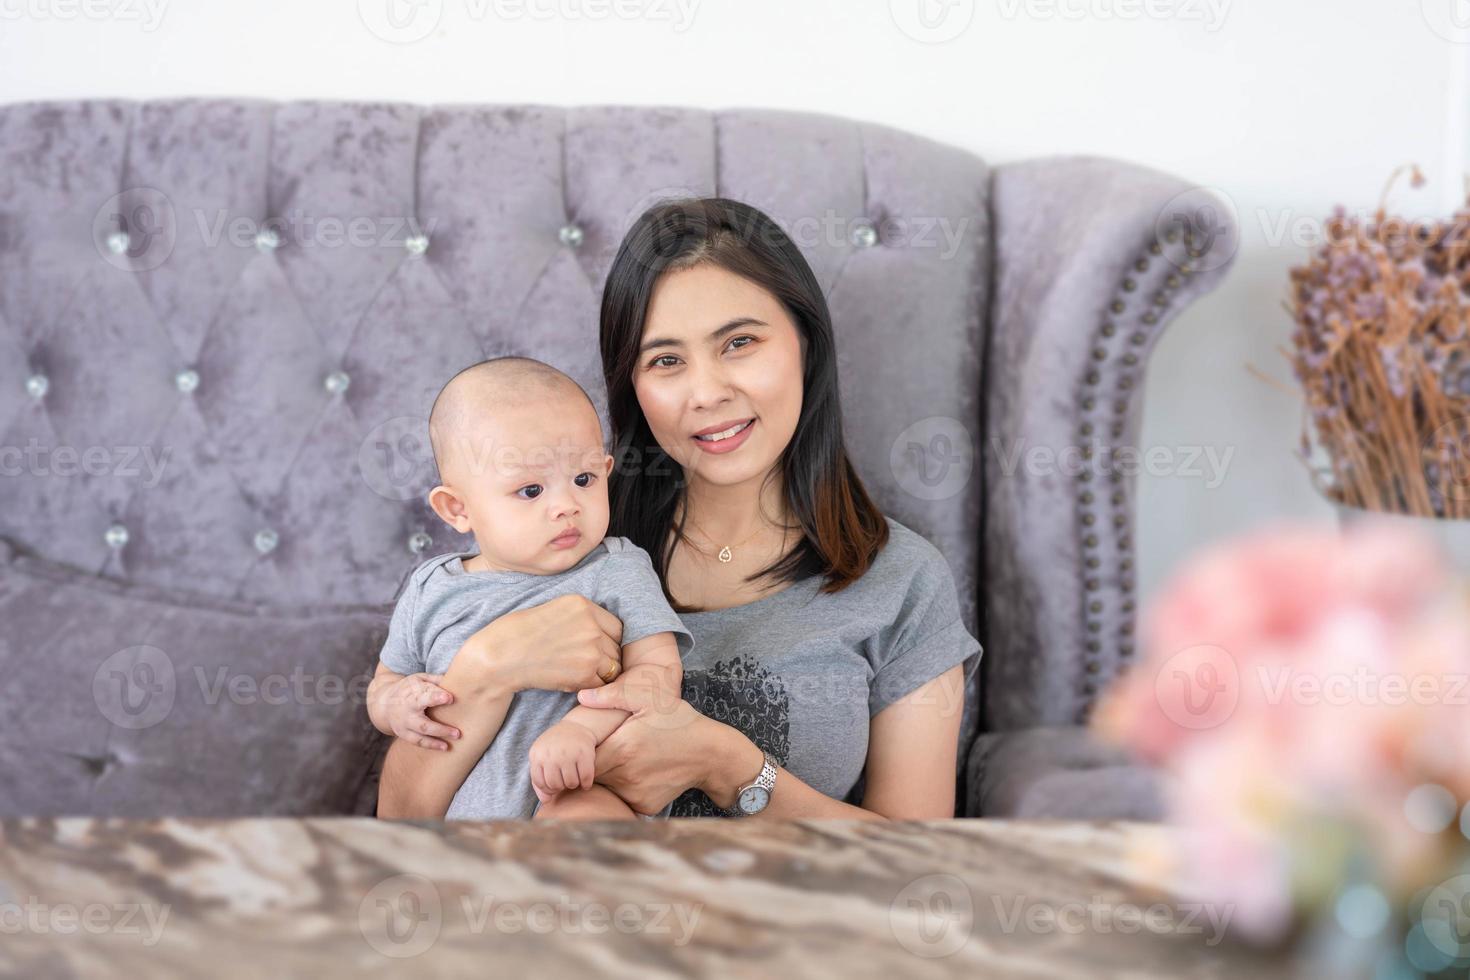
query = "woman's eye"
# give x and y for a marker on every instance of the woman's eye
(735, 344)
(534, 488)
(584, 484)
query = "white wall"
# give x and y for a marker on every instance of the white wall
(1288, 106)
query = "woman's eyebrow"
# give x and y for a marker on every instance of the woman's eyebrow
(735, 324)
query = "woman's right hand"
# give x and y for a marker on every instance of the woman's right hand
(566, 644)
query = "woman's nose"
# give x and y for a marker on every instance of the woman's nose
(710, 387)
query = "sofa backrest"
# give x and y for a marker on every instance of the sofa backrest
(222, 322)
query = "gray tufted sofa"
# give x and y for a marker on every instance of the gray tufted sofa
(222, 322)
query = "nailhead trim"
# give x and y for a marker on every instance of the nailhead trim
(1111, 537)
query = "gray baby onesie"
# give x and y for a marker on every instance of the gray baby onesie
(444, 604)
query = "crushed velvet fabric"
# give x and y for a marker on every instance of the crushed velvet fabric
(122, 701)
(222, 323)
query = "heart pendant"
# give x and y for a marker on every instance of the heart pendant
(725, 555)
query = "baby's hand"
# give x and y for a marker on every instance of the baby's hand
(562, 759)
(404, 704)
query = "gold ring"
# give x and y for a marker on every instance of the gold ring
(609, 674)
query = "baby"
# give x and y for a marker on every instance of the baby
(520, 455)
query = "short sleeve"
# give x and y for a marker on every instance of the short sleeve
(401, 653)
(928, 637)
(628, 587)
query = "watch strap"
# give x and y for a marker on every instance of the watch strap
(765, 779)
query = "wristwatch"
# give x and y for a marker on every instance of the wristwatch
(752, 798)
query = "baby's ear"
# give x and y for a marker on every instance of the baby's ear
(450, 508)
(607, 465)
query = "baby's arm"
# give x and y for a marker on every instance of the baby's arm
(398, 704)
(561, 758)
(421, 785)
(652, 662)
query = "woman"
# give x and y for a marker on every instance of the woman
(829, 663)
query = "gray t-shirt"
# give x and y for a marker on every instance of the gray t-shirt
(444, 604)
(802, 673)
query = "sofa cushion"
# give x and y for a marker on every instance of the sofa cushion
(122, 700)
(1058, 772)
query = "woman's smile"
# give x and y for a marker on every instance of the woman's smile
(727, 440)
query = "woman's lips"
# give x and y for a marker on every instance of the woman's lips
(726, 445)
(566, 539)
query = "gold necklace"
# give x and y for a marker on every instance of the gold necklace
(726, 555)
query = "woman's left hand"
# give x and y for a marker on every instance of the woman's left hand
(656, 754)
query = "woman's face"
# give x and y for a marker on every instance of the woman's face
(717, 351)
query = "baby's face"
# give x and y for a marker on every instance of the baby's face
(529, 476)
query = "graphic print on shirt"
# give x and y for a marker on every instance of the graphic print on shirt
(744, 695)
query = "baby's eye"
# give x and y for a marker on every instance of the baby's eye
(591, 478)
(535, 489)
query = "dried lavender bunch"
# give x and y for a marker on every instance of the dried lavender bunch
(1381, 350)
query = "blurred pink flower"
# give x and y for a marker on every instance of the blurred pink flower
(1245, 609)
(1294, 688)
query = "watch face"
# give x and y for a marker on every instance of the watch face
(754, 799)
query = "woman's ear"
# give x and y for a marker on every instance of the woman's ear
(450, 508)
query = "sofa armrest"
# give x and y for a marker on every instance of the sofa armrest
(1093, 258)
(1059, 773)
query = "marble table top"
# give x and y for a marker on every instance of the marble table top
(360, 897)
